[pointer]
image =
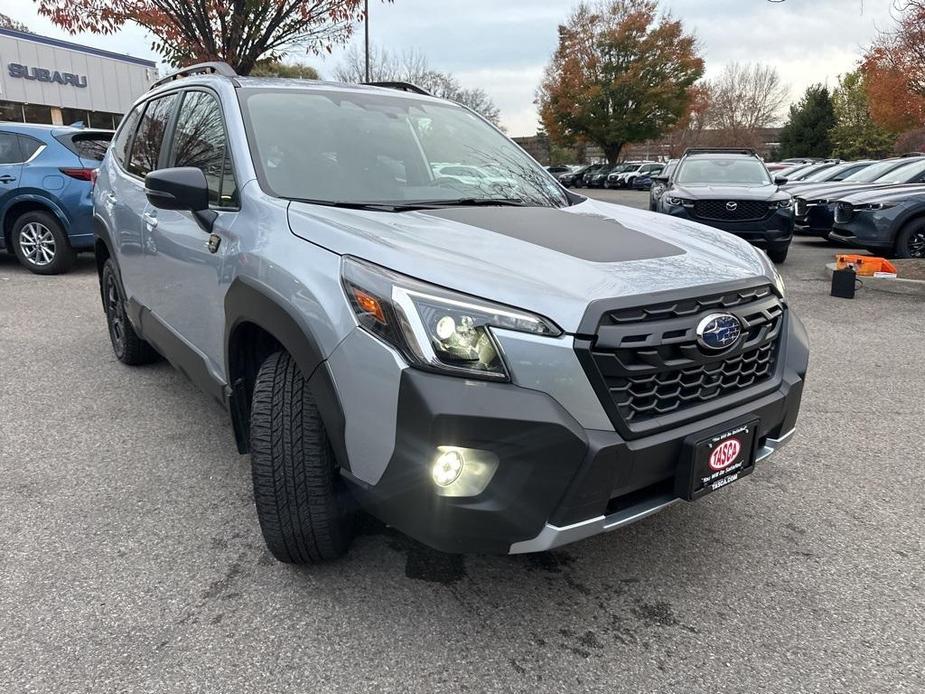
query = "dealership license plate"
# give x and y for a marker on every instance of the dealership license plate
(713, 461)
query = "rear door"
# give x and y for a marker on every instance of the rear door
(130, 205)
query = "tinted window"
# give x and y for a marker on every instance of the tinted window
(9, 149)
(146, 147)
(28, 146)
(124, 137)
(200, 142)
(87, 145)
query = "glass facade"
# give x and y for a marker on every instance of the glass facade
(36, 113)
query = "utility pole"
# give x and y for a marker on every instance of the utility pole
(366, 21)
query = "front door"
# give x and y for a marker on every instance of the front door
(10, 168)
(193, 264)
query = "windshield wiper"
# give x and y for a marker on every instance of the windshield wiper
(409, 205)
(472, 202)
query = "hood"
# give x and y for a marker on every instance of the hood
(889, 194)
(553, 262)
(729, 192)
(833, 191)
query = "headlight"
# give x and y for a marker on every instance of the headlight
(782, 204)
(876, 206)
(679, 202)
(434, 328)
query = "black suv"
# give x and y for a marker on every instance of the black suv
(732, 190)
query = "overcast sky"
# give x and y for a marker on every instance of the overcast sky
(503, 46)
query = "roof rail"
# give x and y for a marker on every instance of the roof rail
(718, 150)
(213, 68)
(401, 86)
(909, 155)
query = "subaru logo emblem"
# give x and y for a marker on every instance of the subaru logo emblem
(719, 331)
(732, 205)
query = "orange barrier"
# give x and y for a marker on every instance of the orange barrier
(864, 265)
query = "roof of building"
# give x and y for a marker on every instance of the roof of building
(58, 43)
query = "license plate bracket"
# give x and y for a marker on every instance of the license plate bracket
(716, 458)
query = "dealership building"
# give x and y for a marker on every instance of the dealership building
(45, 80)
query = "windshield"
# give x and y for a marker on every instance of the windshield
(875, 171)
(906, 173)
(362, 147)
(827, 173)
(724, 171)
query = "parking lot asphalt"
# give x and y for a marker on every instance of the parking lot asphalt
(131, 559)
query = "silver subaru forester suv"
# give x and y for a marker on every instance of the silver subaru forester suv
(405, 315)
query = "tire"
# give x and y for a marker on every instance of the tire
(778, 255)
(127, 346)
(910, 241)
(304, 509)
(40, 244)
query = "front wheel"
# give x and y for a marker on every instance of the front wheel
(41, 245)
(127, 346)
(778, 254)
(304, 509)
(910, 241)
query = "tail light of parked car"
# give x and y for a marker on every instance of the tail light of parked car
(80, 174)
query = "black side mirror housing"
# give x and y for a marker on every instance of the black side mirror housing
(660, 178)
(181, 188)
(780, 181)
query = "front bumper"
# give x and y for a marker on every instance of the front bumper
(557, 481)
(817, 221)
(773, 231)
(868, 229)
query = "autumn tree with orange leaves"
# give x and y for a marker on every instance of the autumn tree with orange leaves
(622, 73)
(238, 32)
(894, 70)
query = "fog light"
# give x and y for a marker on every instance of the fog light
(460, 472)
(447, 468)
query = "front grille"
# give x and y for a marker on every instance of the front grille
(650, 365)
(844, 211)
(800, 207)
(732, 210)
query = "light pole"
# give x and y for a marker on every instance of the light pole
(366, 22)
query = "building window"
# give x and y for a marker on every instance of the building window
(11, 111)
(69, 116)
(37, 114)
(102, 119)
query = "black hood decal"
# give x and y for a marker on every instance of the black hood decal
(589, 237)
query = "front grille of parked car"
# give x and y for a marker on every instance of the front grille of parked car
(844, 211)
(800, 207)
(649, 368)
(732, 210)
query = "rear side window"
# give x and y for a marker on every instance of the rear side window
(146, 147)
(28, 146)
(123, 137)
(87, 145)
(9, 149)
(200, 142)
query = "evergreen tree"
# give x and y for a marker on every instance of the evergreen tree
(806, 133)
(855, 134)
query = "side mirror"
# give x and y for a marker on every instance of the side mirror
(182, 188)
(780, 181)
(660, 178)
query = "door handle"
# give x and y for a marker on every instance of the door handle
(111, 199)
(150, 219)
(6, 178)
